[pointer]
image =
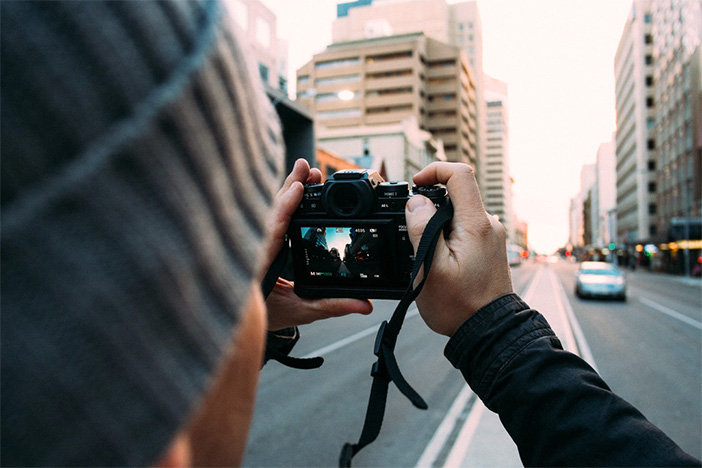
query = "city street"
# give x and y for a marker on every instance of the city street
(648, 349)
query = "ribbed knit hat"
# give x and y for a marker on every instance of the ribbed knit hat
(139, 162)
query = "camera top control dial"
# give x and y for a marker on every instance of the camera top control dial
(396, 189)
(435, 193)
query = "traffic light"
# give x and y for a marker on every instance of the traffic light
(612, 245)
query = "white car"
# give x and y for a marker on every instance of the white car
(600, 279)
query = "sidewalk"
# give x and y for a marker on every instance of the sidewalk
(491, 446)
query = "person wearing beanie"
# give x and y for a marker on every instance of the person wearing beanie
(142, 200)
(141, 167)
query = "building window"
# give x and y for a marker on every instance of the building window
(263, 32)
(389, 91)
(389, 74)
(651, 187)
(304, 79)
(445, 113)
(333, 80)
(651, 144)
(442, 97)
(388, 109)
(283, 84)
(647, 18)
(343, 62)
(649, 80)
(652, 208)
(651, 165)
(390, 56)
(649, 102)
(442, 63)
(650, 123)
(441, 80)
(263, 72)
(339, 114)
(652, 230)
(648, 39)
(648, 59)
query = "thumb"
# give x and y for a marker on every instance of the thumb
(418, 212)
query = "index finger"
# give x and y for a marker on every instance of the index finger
(460, 182)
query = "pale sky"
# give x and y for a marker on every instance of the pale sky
(557, 58)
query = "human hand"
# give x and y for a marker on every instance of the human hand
(285, 308)
(285, 203)
(470, 267)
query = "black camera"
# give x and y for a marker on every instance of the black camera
(349, 236)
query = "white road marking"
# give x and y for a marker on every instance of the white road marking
(574, 342)
(444, 430)
(460, 448)
(355, 337)
(671, 313)
(440, 437)
(583, 347)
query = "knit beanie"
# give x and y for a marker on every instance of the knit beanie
(139, 162)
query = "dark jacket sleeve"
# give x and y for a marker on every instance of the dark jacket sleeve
(556, 408)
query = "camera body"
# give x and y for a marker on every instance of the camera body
(349, 236)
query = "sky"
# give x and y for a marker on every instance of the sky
(557, 58)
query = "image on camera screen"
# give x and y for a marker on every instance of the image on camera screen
(342, 252)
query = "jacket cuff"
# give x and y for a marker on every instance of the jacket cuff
(491, 337)
(282, 341)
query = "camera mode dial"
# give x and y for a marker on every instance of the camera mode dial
(436, 193)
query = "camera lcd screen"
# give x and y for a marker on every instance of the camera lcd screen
(343, 252)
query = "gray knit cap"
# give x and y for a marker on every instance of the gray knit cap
(139, 163)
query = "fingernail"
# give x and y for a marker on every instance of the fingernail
(417, 202)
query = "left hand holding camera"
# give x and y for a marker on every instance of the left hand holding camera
(285, 308)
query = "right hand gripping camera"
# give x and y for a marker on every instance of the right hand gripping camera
(349, 236)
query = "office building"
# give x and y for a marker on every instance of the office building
(677, 35)
(677, 76)
(604, 197)
(396, 150)
(259, 26)
(456, 24)
(635, 135)
(497, 181)
(390, 80)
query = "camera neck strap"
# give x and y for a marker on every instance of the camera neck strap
(269, 281)
(385, 369)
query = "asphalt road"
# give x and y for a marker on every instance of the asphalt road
(651, 358)
(649, 349)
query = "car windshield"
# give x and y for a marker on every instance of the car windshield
(600, 271)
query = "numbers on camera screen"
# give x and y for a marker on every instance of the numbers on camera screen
(343, 252)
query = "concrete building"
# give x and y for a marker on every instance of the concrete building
(580, 218)
(259, 26)
(604, 197)
(396, 150)
(635, 135)
(677, 76)
(497, 180)
(388, 80)
(457, 24)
